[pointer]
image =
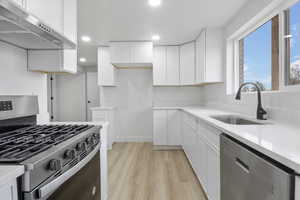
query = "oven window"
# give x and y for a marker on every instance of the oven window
(84, 185)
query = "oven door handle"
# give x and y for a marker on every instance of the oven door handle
(51, 187)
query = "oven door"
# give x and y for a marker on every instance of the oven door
(81, 182)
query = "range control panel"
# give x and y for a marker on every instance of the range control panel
(6, 106)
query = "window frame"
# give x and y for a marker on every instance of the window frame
(232, 50)
(274, 21)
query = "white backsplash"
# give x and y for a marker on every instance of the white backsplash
(177, 96)
(16, 80)
(281, 106)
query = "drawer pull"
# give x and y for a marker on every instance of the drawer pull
(242, 165)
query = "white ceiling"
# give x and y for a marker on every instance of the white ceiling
(176, 21)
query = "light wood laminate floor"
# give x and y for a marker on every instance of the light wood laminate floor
(136, 172)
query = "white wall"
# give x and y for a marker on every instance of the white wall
(16, 80)
(70, 97)
(283, 106)
(134, 98)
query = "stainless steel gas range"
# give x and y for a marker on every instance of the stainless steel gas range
(61, 161)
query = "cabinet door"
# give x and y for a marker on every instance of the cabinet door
(159, 66)
(50, 12)
(172, 65)
(120, 53)
(214, 56)
(174, 137)
(70, 60)
(70, 20)
(200, 57)
(9, 191)
(142, 52)
(185, 137)
(201, 170)
(187, 64)
(189, 143)
(106, 71)
(213, 173)
(160, 127)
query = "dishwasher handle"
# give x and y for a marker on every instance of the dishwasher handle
(242, 165)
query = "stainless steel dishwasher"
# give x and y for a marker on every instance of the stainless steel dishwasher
(249, 175)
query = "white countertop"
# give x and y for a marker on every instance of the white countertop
(274, 139)
(100, 123)
(10, 172)
(104, 108)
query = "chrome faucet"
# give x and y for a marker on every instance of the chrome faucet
(260, 114)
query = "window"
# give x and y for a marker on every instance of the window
(259, 57)
(292, 45)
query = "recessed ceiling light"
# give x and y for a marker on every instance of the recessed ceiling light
(154, 3)
(86, 38)
(82, 60)
(155, 37)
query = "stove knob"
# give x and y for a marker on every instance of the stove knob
(81, 146)
(54, 165)
(96, 136)
(70, 154)
(89, 140)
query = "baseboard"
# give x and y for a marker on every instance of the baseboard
(165, 147)
(133, 139)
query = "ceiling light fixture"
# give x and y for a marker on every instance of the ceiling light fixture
(82, 60)
(155, 37)
(85, 38)
(154, 3)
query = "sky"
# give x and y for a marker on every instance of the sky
(257, 56)
(258, 48)
(295, 40)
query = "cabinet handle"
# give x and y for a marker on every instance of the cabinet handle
(242, 165)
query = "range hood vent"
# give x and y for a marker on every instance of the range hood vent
(21, 29)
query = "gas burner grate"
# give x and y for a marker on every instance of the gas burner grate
(21, 144)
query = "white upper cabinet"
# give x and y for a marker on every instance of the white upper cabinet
(106, 71)
(172, 65)
(166, 66)
(62, 16)
(187, 64)
(120, 52)
(131, 54)
(159, 66)
(142, 52)
(209, 56)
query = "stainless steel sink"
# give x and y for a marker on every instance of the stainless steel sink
(236, 120)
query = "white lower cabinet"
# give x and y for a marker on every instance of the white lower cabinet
(201, 145)
(213, 173)
(166, 127)
(160, 127)
(106, 114)
(9, 191)
(201, 168)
